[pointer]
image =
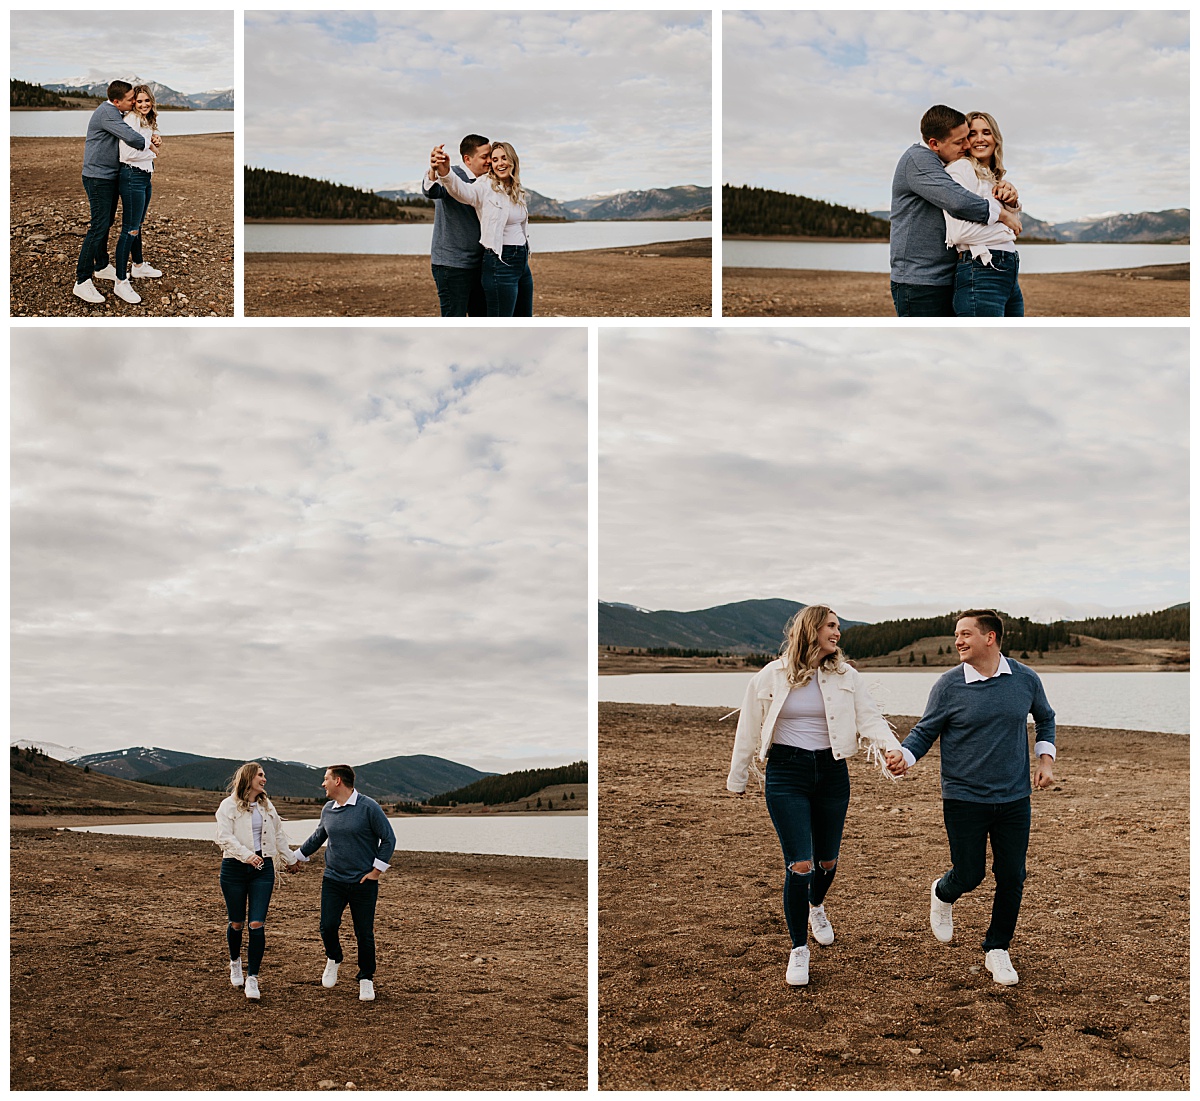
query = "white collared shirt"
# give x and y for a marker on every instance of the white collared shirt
(972, 674)
(380, 866)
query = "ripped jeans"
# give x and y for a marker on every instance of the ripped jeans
(807, 794)
(246, 889)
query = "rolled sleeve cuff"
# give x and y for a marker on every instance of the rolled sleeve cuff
(380, 866)
(1045, 747)
(301, 856)
(994, 208)
(909, 759)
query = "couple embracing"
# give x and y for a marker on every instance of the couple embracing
(807, 712)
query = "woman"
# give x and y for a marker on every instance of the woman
(804, 714)
(133, 184)
(985, 281)
(503, 229)
(250, 835)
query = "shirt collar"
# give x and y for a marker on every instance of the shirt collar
(351, 801)
(971, 674)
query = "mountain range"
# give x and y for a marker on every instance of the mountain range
(1158, 227)
(657, 204)
(220, 99)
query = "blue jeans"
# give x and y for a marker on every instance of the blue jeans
(135, 198)
(508, 282)
(918, 300)
(361, 898)
(460, 291)
(968, 828)
(102, 201)
(988, 290)
(246, 889)
(807, 793)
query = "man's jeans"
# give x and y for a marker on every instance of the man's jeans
(135, 198)
(988, 290)
(508, 282)
(918, 300)
(968, 828)
(460, 291)
(361, 898)
(93, 254)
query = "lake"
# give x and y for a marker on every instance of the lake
(859, 256)
(414, 240)
(1121, 701)
(73, 124)
(540, 835)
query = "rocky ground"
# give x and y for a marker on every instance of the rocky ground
(673, 279)
(119, 976)
(693, 945)
(188, 231)
(1162, 290)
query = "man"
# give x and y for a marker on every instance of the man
(979, 710)
(101, 168)
(360, 843)
(457, 256)
(922, 265)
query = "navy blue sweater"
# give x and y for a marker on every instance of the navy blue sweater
(985, 742)
(455, 227)
(358, 835)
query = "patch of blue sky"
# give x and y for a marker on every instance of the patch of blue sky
(841, 53)
(356, 28)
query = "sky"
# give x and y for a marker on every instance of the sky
(1093, 105)
(190, 51)
(892, 473)
(305, 544)
(592, 101)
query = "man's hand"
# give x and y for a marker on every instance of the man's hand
(1044, 776)
(895, 762)
(439, 160)
(1006, 193)
(372, 874)
(1011, 220)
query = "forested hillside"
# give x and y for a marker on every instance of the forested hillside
(511, 786)
(271, 194)
(762, 213)
(22, 94)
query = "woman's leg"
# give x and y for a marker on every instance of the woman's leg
(133, 209)
(491, 286)
(234, 890)
(524, 303)
(788, 789)
(1015, 307)
(260, 888)
(830, 802)
(135, 251)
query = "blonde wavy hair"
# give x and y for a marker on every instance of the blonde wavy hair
(800, 648)
(513, 187)
(240, 785)
(996, 172)
(152, 114)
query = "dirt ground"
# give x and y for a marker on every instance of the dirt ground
(119, 975)
(693, 945)
(188, 230)
(1161, 290)
(673, 279)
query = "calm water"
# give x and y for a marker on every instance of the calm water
(853, 256)
(415, 240)
(562, 836)
(73, 124)
(1122, 701)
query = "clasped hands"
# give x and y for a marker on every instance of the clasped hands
(1007, 194)
(439, 162)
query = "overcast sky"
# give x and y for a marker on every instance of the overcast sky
(190, 51)
(592, 101)
(302, 543)
(895, 472)
(1093, 105)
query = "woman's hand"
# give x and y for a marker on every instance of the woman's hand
(895, 762)
(256, 862)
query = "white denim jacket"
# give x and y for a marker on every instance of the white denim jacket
(235, 833)
(492, 206)
(851, 712)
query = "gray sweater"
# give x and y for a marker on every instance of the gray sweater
(357, 836)
(102, 148)
(455, 227)
(921, 190)
(985, 743)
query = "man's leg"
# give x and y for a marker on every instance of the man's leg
(918, 300)
(363, 898)
(1010, 843)
(334, 896)
(967, 831)
(477, 303)
(102, 209)
(454, 288)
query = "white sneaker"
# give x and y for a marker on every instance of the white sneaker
(123, 289)
(252, 987)
(106, 273)
(87, 291)
(822, 931)
(235, 973)
(330, 977)
(144, 271)
(941, 916)
(998, 963)
(797, 968)
(366, 990)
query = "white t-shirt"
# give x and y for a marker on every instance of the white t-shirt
(801, 722)
(514, 228)
(973, 236)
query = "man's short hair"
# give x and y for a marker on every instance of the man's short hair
(987, 619)
(344, 773)
(939, 120)
(470, 143)
(118, 89)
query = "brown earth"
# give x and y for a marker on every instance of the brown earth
(673, 279)
(693, 945)
(119, 975)
(1161, 290)
(188, 230)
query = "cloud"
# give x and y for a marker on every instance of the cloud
(592, 101)
(1093, 105)
(875, 467)
(286, 541)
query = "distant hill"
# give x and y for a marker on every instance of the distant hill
(657, 204)
(137, 762)
(21, 94)
(759, 212)
(271, 194)
(511, 786)
(417, 777)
